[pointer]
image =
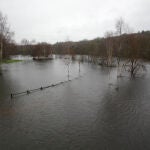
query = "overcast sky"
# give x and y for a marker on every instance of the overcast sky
(58, 20)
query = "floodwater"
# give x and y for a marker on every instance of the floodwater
(95, 111)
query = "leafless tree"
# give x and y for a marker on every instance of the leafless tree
(109, 47)
(134, 64)
(120, 26)
(24, 42)
(5, 34)
(25, 45)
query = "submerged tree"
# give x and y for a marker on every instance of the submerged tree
(68, 58)
(134, 63)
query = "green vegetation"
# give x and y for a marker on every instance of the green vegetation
(8, 61)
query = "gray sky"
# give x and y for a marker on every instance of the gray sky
(57, 20)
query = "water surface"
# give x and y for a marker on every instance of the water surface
(97, 111)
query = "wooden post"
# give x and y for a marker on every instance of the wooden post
(11, 95)
(28, 92)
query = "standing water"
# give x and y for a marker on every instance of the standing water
(93, 112)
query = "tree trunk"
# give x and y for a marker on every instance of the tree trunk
(1, 51)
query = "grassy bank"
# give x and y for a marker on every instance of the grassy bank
(8, 61)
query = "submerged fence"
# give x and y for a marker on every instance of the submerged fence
(12, 95)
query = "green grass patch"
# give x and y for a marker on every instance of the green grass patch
(8, 61)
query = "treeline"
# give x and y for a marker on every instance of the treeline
(96, 47)
(40, 49)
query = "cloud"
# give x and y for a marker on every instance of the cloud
(55, 20)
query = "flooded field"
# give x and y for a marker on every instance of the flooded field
(96, 111)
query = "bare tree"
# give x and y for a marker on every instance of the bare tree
(120, 26)
(5, 34)
(24, 42)
(134, 64)
(109, 47)
(25, 45)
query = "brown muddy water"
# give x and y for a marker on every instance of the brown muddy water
(96, 111)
